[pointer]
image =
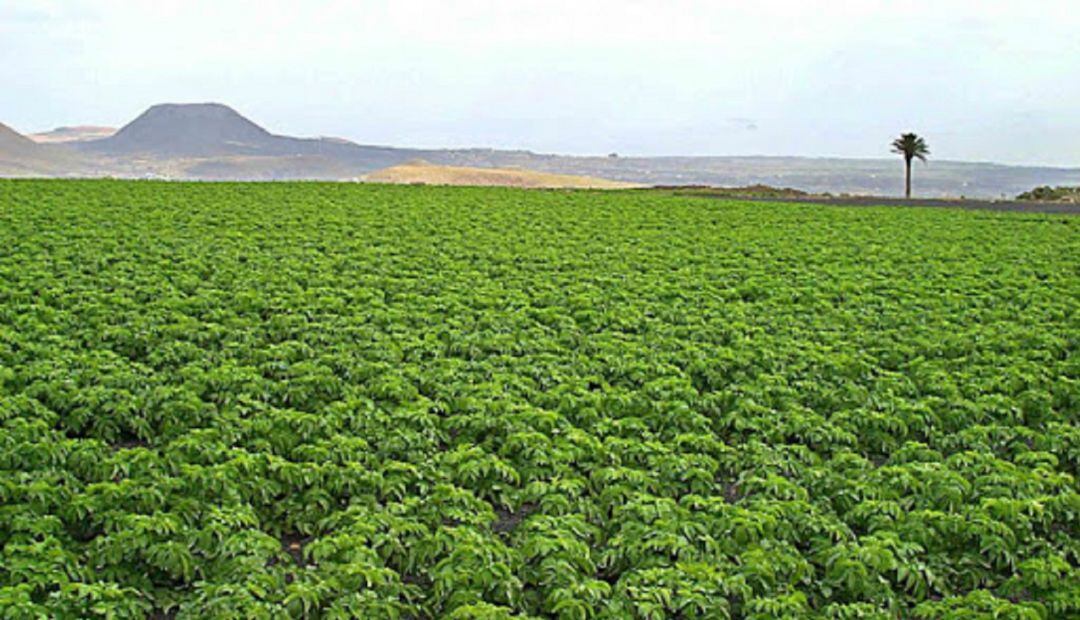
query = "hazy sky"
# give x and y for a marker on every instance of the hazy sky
(981, 79)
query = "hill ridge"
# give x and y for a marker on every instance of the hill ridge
(215, 130)
(194, 129)
(211, 140)
(21, 156)
(10, 136)
(72, 133)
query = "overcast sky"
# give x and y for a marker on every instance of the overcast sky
(981, 79)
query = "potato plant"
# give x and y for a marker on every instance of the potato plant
(352, 401)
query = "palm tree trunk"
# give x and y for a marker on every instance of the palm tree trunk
(907, 178)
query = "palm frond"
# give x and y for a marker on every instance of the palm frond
(911, 146)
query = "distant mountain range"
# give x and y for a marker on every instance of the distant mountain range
(212, 141)
(72, 134)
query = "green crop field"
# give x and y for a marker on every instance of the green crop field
(351, 401)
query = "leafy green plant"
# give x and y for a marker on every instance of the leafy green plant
(359, 401)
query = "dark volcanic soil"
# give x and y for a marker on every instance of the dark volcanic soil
(984, 205)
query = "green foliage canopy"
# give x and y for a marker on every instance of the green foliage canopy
(343, 401)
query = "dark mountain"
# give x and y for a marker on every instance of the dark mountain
(171, 130)
(213, 130)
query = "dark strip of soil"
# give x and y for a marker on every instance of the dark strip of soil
(870, 201)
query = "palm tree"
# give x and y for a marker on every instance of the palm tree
(911, 147)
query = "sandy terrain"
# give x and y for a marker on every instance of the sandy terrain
(419, 172)
(72, 134)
